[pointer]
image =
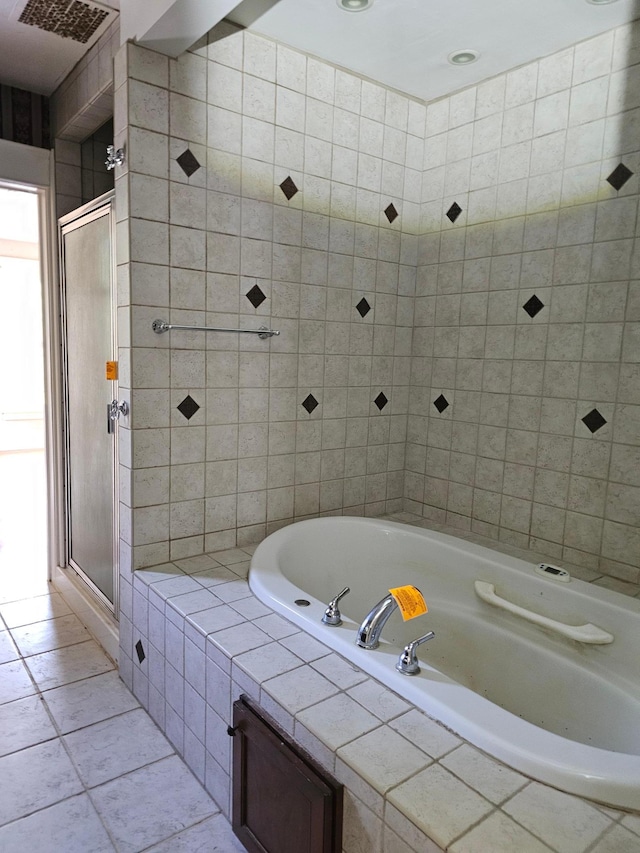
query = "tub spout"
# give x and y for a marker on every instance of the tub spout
(368, 636)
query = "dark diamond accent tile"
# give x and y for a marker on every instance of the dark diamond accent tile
(391, 213)
(288, 188)
(594, 420)
(140, 651)
(255, 296)
(533, 306)
(188, 407)
(188, 163)
(619, 177)
(363, 307)
(310, 403)
(381, 401)
(441, 403)
(454, 211)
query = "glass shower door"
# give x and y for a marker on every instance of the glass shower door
(88, 304)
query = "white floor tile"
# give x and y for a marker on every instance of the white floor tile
(35, 609)
(105, 750)
(34, 778)
(15, 682)
(151, 804)
(89, 701)
(48, 635)
(72, 826)
(213, 835)
(26, 586)
(63, 666)
(24, 723)
(8, 650)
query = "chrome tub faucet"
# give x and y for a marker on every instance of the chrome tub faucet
(368, 636)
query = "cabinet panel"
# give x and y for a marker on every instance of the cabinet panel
(283, 802)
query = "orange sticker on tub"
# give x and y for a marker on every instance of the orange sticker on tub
(410, 601)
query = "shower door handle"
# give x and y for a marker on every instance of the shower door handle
(114, 410)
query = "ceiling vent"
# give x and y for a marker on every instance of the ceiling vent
(70, 19)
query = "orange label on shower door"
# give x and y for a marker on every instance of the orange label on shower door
(410, 601)
(111, 370)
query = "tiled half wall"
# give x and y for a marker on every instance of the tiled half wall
(263, 187)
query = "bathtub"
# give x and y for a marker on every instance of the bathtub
(563, 711)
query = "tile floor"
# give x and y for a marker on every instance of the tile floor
(83, 768)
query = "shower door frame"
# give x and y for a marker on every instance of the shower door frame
(87, 213)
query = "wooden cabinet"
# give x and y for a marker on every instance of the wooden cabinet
(283, 802)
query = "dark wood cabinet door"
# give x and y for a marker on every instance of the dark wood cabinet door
(283, 802)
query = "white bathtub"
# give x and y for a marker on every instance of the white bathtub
(562, 711)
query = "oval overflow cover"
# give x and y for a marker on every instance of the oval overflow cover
(302, 602)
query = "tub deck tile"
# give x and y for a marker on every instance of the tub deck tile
(305, 647)
(430, 736)
(340, 671)
(617, 840)
(427, 798)
(338, 720)
(383, 758)
(238, 639)
(380, 701)
(276, 626)
(398, 826)
(499, 834)
(299, 688)
(632, 822)
(567, 823)
(266, 662)
(490, 778)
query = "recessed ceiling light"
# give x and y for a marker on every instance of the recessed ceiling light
(354, 5)
(600, 2)
(463, 57)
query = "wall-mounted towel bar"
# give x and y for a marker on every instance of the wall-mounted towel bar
(160, 326)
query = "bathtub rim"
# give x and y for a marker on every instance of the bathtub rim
(535, 752)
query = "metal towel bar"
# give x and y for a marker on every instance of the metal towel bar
(160, 326)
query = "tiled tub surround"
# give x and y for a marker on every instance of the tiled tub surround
(550, 707)
(524, 419)
(265, 187)
(261, 187)
(411, 786)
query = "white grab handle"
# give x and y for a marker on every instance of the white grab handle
(582, 633)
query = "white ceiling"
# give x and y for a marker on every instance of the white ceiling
(33, 59)
(405, 43)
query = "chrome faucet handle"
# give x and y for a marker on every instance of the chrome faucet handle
(332, 613)
(408, 660)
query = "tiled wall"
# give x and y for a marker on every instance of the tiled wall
(262, 188)
(96, 178)
(83, 101)
(525, 400)
(80, 105)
